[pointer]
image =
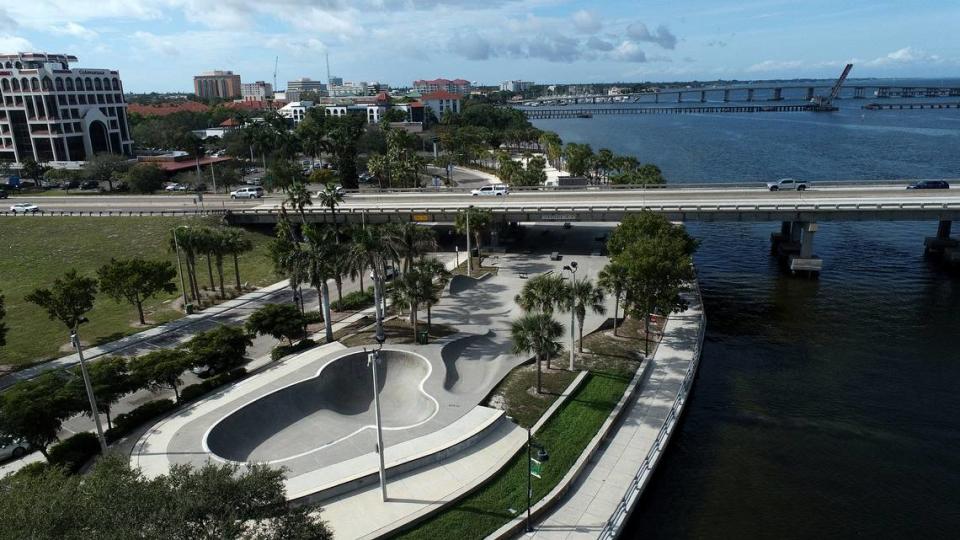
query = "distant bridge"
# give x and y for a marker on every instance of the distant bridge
(566, 112)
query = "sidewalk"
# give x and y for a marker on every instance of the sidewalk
(595, 496)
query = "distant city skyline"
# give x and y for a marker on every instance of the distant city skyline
(159, 45)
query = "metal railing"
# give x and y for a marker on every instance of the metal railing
(116, 213)
(614, 524)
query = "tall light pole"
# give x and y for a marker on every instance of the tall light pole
(183, 288)
(75, 339)
(372, 360)
(469, 251)
(573, 300)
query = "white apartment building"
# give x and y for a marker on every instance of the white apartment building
(50, 112)
(295, 110)
(258, 91)
(515, 86)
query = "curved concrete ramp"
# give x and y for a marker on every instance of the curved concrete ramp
(324, 409)
(460, 283)
(469, 363)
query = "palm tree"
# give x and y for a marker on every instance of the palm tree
(586, 296)
(237, 244)
(288, 259)
(439, 277)
(544, 293)
(220, 243)
(411, 290)
(613, 278)
(330, 197)
(479, 222)
(374, 247)
(299, 197)
(318, 249)
(536, 333)
(415, 241)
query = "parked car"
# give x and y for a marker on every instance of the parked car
(175, 187)
(388, 275)
(204, 371)
(930, 184)
(497, 190)
(12, 448)
(366, 178)
(247, 193)
(24, 208)
(788, 184)
(70, 184)
(90, 184)
(3, 194)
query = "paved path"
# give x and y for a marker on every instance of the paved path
(596, 493)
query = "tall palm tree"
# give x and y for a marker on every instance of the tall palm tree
(536, 333)
(544, 293)
(586, 296)
(288, 259)
(439, 277)
(479, 222)
(613, 278)
(298, 197)
(220, 244)
(409, 291)
(415, 241)
(237, 244)
(375, 246)
(317, 251)
(330, 197)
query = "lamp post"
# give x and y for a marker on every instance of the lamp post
(573, 300)
(75, 340)
(183, 288)
(373, 359)
(542, 456)
(469, 251)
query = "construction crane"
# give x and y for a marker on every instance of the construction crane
(825, 103)
(276, 63)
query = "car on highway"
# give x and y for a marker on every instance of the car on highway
(788, 184)
(492, 190)
(175, 187)
(338, 189)
(930, 184)
(12, 447)
(3, 194)
(24, 208)
(254, 192)
(366, 178)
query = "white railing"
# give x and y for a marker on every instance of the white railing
(612, 528)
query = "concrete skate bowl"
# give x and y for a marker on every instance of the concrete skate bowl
(460, 283)
(471, 364)
(330, 407)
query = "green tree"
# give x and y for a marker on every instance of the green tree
(220, 349)
(282, 174)
(544, 293)
(145, 178)
(613, 278)
(374, 247)
(320, 250)
(68, 300)
(579, 158)
(114, 500)
(101, 167)
(344, 133)
(535, 175)
(35, 410)
(160, 369)
(537, 334)
(439, 277)
(110, 378)
(551, 144)
(237, 243)
(32, 170)
(414, 241)
(480, 220)
(136, 280)
(282, 321)
(642, 225)
(298, 197)
(586, 296)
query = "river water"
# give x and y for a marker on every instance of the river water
(823, 408)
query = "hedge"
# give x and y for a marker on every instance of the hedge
(74, 452)
(127, 422)
(194, 391)
(280, 351)
(354, 301)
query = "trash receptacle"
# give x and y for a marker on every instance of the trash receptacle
(189, 309)
(422, 337)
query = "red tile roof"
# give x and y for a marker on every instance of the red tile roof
(252, 105)
(440, 95)
(163, 109)
(177, 166)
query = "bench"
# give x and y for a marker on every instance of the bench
(555, 256)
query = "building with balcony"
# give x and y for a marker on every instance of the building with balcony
(217, 84)
(456, 86)
(50, 112)
(442, 102)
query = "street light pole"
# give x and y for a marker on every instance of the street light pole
(373, 359)
(183, 288)
(573, 301)
(529, 479)
(75, 339)
(469, 251)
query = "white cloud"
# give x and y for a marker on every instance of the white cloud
(75, 30)
(662, 36)
(776, 65)
(11, 43)
(629, 51)
(906, 55)
(587, 22)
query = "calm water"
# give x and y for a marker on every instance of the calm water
(824, 408)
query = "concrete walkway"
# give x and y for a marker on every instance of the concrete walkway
(596, 494)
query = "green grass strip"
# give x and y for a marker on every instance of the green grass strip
(565, 436)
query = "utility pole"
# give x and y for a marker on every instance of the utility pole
(469, 252)
(573, 300)
(183, 288)
(75, 339)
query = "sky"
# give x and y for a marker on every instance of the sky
(158, 45)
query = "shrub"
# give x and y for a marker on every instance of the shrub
(127, 422)
(354, 301)
(280, 351)
(313, 317)
(33, 469)
(192, 392)
(196, 390)
(74, 452)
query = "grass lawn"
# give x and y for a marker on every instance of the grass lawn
(39, 250)
(516, 393)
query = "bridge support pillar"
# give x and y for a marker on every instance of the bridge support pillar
(942, 244)
(656, 97)
(726, 96)
(703, 96)
(809, 93)
(858, 93)
(805, 262)
(749, 94)
(777, 94)
(679, 97)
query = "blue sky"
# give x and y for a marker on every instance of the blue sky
(160, 44)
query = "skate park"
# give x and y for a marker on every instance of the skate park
(312, 413)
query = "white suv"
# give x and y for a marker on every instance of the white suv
(497, 190)
(787, 184)
(254, 192)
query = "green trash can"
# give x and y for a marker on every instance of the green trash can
(422, 337)
(189, 309)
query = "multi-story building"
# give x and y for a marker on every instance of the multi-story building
(456, 86)
(50, 112)
(258, 91)
(335, 81)
(295, 89)
(441, 102)
(217, 84)
(515, 86)
(295, 110)
(350, 90)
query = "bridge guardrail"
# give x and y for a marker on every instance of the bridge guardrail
(116, 213)
(613, 526)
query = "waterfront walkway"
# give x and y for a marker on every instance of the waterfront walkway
(596, 495)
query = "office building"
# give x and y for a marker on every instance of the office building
(50, 112)
(295, 89)
(456, 86)
(515, 86)
(217, 84)
(258, 91)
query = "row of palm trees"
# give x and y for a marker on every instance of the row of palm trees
(215, 244)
